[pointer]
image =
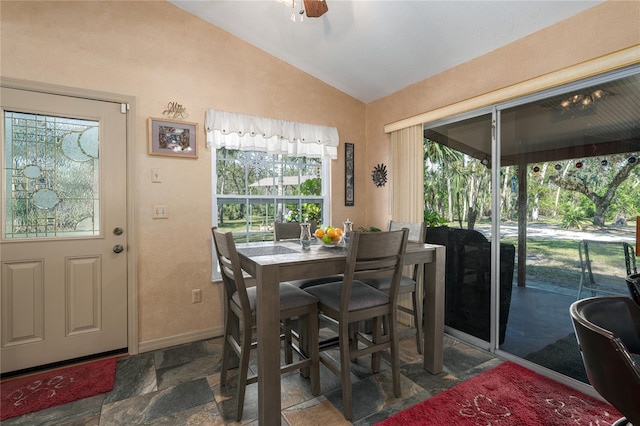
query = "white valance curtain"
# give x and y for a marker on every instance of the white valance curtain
(253, 133)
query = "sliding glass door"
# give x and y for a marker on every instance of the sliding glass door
(458, 211)
(572, 157)
(559, 217)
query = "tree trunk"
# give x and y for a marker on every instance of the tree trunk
(598, 216)
(450, 196)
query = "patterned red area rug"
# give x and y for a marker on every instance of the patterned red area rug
(508, 395)
(27, 394)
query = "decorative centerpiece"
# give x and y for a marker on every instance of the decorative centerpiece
(329, 236)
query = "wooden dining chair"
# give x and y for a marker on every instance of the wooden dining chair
(408, 284)
(240, 311)
(371, 255)
(291, 231)
(283, 231)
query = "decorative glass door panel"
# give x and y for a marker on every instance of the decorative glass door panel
(63, 287)
(52, 176)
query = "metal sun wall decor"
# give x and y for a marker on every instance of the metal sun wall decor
(379, 175)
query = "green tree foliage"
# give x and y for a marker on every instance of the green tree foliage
(599, 180)
(457, 188)
(311, 187)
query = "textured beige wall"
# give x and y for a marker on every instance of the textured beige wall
(598, 31)
(159, 53)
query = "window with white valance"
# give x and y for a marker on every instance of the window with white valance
(267, 170)
(252, 133)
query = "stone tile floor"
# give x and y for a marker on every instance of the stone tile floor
(180, 386)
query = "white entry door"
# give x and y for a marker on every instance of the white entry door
(64, 234)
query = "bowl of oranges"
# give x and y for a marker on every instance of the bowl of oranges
(328, 236)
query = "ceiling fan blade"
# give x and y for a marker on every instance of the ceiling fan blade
(315, 8)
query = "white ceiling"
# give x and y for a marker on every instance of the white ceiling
(369, 48)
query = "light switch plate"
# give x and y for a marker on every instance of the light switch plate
(156, 177)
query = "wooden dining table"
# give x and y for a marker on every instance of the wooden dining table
(273, 262)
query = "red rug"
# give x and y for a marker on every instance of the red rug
(508, 395)
(27, 394)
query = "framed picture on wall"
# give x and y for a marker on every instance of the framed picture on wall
(348, 174)
(173, 138)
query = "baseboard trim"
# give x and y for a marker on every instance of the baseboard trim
(180, 339)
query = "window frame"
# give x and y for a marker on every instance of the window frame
(324, 198)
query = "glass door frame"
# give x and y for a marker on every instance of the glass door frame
(495, 110)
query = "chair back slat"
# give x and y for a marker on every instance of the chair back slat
(374, 255)
(417, 234)
(290, 230)
(417, 230)
(230, 268)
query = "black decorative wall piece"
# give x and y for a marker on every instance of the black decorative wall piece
(379, 175)
(348, 174)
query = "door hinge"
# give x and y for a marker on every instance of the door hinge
(124, 108)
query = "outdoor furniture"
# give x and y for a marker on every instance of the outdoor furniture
(468, 280)
(602, 268)
(608, 333)
(241, 308)
(633, 282)
(272, 262)
(408, 285)
(371, 255)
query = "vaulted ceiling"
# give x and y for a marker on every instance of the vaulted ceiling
(371, 48)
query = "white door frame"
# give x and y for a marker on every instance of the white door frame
(132, 283)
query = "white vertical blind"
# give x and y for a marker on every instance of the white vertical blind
(407, 174)
(407, 189)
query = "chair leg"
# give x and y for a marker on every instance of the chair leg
(375, 337)
(345, 369)
(395, 356)
(385, 325)
(304, 339)
(288, 352)
(226, 350)
(417, 318)
(244, 370)
(353, 336)
(313, 350)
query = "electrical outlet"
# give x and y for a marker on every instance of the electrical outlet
(156, 177)
(160, 212)
(196, 296)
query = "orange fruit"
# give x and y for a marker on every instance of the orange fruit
(335, 238)
(338, 231)
(319, 233)
(331, 233)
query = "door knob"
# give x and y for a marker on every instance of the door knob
(118, 248)
(118, 231)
